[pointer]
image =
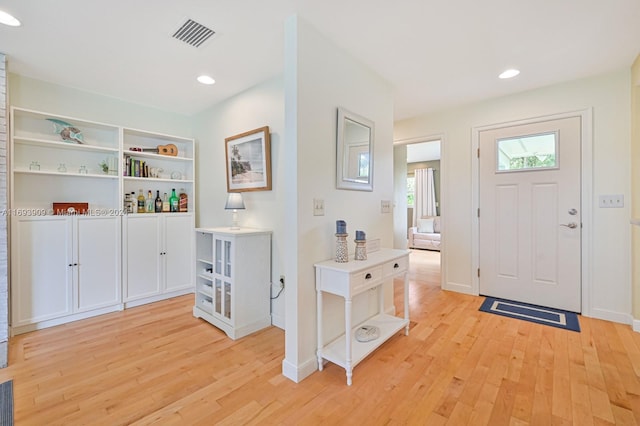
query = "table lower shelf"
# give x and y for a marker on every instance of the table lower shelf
(336, 350)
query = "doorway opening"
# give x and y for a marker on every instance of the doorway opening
(419, 194)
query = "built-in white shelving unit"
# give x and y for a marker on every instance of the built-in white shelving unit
(70, 267)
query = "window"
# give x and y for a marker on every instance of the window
(411, 190)
(363, 164)
(524, 153)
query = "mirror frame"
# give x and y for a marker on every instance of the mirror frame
(342, 181)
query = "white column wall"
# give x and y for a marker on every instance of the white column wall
(319, 78)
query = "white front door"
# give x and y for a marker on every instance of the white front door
(529, 217)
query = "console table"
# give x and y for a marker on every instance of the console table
(348, 280)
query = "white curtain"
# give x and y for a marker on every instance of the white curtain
(424, 202)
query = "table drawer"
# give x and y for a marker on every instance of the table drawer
(365, 280)
(395, 266)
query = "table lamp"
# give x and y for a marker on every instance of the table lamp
(235, 203)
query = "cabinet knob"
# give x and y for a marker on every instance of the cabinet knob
(367, 277)
(396, 266)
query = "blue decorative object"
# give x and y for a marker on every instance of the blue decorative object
(341, 227)
(360, 235)
(67, 131)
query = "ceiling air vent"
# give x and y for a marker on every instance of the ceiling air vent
(193, 33)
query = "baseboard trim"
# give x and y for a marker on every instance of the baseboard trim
(15, 330)
(301, 372)
(277, 321)
(636, 325)
(157, 297)
(612, 316)
(459, 288)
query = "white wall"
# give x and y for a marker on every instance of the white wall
(400, 227)
(319, 78)
(47, 97)
(262, 105)
(635, 189)
(609, 96)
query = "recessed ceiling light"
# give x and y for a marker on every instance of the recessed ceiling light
(205, 79)
(509, 73)
(7, 19)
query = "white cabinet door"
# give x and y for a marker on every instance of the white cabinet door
(142, 256)
(222, 274)
(178, 252)
(41, 269)
(98, 257)
(233, 279)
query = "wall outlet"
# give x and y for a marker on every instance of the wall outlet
(318, 207)
(385, 206)
(611, 201)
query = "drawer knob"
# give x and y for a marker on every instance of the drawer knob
(396, 266)
(367, 277)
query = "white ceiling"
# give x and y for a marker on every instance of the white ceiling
(437, 54)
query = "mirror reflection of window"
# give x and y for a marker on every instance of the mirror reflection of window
(363, 165)
(354, 152)
(356, 161)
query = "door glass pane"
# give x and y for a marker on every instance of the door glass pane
(227, 258)
(218, 296)
(527, 152)
(227, 300)
(218, 256)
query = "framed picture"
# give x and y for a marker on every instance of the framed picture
(248, 159)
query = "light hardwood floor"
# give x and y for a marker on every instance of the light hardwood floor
(156, 364)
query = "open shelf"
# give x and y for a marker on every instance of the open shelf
(388, 324)
(56, 173)
(63, 145)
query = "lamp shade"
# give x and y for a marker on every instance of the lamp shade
(234, 201)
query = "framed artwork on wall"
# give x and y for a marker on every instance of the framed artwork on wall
(248, 160)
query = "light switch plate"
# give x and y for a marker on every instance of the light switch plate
(611, 201)
(318, 207)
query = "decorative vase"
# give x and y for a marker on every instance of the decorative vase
(342, 251)
(361, 249)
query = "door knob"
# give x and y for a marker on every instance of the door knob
(571, 225)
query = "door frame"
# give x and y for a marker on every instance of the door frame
(443, 182)
(586, 196)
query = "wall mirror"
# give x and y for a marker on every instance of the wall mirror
(354, 154)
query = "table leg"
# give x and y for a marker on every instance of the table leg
(406, 302)
(347, 336)
(319, 317)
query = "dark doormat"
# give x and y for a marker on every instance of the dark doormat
(6, 403)
(533, 313)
